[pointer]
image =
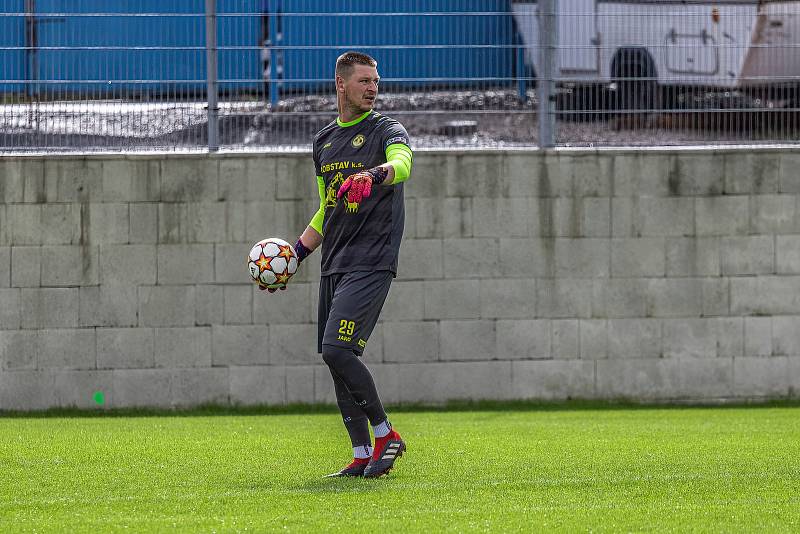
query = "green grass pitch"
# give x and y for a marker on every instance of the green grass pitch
(497, 467)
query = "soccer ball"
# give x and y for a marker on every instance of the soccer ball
(272, 262)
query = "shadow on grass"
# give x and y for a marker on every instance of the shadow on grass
(341, 485)
(453, 406)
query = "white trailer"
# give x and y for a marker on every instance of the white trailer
(639, 48)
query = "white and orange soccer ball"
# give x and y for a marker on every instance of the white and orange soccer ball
(272, 262)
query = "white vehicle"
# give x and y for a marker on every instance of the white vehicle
(641, 48)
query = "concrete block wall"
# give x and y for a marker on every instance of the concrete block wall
(652, 275)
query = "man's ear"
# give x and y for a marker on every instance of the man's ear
(339, 84)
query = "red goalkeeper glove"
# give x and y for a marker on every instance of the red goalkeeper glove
(359, 186)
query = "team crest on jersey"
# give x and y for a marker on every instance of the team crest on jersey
(358, 141)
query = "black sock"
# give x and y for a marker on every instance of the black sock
(354, 418)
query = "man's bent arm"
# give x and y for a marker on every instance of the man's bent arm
(397, 166)
(398, 157)
(311, 237)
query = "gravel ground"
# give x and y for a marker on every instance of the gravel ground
(434, 119)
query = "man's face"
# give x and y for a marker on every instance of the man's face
(360, 89)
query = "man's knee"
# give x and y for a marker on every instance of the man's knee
(336, 356)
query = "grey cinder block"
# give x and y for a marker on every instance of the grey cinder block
(238, 301)
(566, 339)
(787, 254)
(210, 305)
(166, 305)
(69, 265)
(765, 295)
(638, 257)
(77, 388)
(552, 379)
(452, 299)
(523, 339)
(49, 307)
(634, 338)
(593, 339)
(722, 215)
(127, 264)
(26, 266)
(18, 349)
(706, 378)
(230, 263)
(131, 180)
(765, 377)
(758, 336)
(182, 347)
(79, 180)
(142, 387)
(671, 216)
(240, 345)
(558, 298)
(284, 307)
(191, 386)
(467, 340)
(674, 297)
(27, 390)
(507, 299)
(254, 385)
(291, 344)
(747, 255)
(405, 302)
(63, 348)
(693, 256)
(185, 264)
(690, 338)
(773, 214)
(582, 258)
(248, 179)
(619, 298)
(9, 308)
(785, 335)
(143, 222)
(108, 306)
(5, 266)
(125, 348)
(406, 342)
(751, 173)
(109, 223)
(299, 383)
(420, 259)
(192, 179)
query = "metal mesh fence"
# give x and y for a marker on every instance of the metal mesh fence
(252, 74)
(664, 73)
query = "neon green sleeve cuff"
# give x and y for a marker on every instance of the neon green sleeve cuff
(319, 216)
(399, 156)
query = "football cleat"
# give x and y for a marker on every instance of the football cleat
(355, 469)
(387, 450)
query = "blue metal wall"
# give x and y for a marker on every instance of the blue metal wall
(12, 34)
(424, 48)
(164, 54)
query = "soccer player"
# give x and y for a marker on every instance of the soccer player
(362, 159)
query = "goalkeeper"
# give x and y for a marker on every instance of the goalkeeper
(362, 159)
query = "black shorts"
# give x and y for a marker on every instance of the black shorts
(349, 306)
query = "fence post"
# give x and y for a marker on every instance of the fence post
(548, 43)
(211, 75)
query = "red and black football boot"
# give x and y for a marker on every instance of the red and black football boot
(387, 449)
(355, 469)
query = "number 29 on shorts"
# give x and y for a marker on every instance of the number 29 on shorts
(346, 327)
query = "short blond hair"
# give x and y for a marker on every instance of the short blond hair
(346, 62)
